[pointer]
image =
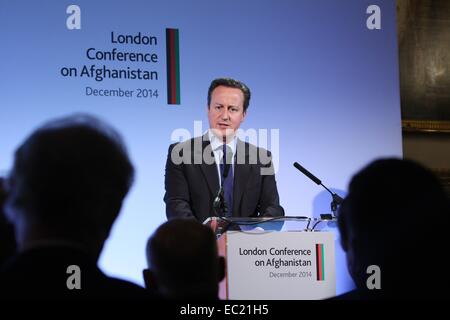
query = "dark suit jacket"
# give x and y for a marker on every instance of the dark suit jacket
(41, 273)
(191, 187)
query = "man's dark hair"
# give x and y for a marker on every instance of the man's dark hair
(182, 255)
(392, 190)
(72, 172)
(231, 83)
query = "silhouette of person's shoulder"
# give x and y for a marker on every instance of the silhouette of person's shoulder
(62, 273)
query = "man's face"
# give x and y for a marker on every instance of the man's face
(226, 111)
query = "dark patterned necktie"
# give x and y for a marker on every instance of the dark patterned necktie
(228, 181)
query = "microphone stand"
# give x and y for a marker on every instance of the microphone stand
(336, 199)
(220, 205)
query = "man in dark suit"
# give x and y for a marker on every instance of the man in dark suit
(196, 169)
(64, 193)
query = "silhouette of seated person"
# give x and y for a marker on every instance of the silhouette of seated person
(394, 218)
(66, 188)
(7, 240)
(183, 262)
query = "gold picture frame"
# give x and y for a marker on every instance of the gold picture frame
(427, 126)
(424, 62)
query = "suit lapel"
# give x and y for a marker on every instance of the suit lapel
(209, 170)
(241, 174)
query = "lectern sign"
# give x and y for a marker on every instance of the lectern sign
(280, 265)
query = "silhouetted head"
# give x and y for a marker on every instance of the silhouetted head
(183, 261)
(392, 217)
(68, 182)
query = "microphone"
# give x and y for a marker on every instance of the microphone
(219, 203)
(307, 173)
(337, 200)
(218, 200)
(227, 163)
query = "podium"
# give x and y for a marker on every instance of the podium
(286, 258)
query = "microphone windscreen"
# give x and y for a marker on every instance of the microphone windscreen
(307, 173)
